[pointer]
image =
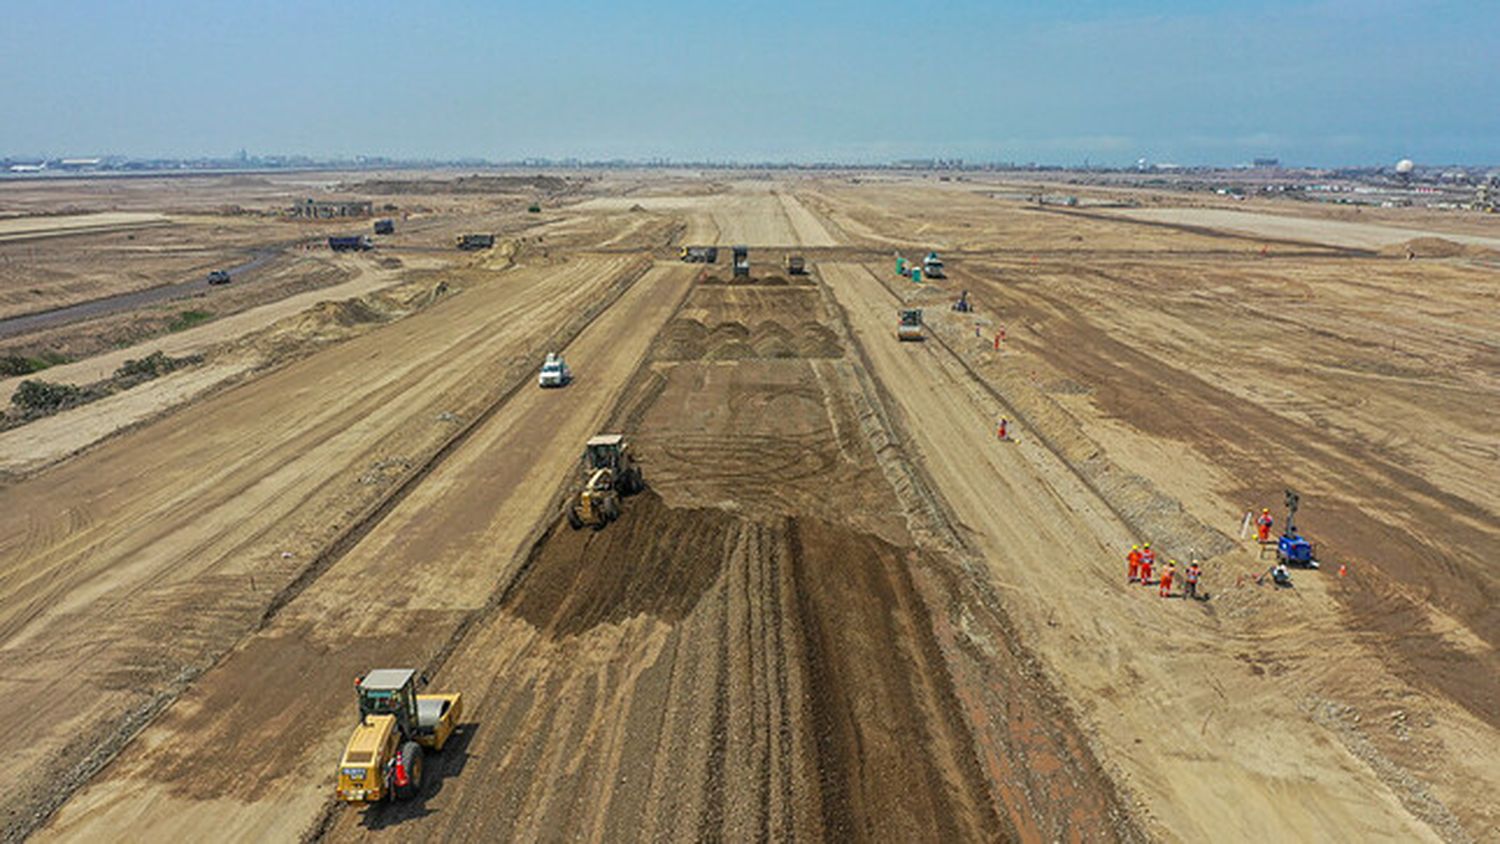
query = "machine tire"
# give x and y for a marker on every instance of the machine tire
(612, 510)
(635, 481)
(411, 754)
(574, 520)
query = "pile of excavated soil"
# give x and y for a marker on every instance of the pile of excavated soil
(337, 320)
(1437, 247)
(688, 339)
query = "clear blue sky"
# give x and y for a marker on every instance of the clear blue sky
(1210, 81)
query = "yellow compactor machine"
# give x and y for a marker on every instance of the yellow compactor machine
(383, 760)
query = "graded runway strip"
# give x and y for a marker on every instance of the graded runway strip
(1053, 546)
(248, 752)
(131, 568)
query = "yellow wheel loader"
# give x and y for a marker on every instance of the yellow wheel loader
(383, 759)
(611, 472)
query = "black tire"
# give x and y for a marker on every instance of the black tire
(574, 520)
(411, 755)
(612, 509)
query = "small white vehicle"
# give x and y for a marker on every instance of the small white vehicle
(555, 372)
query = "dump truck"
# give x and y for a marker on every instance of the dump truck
(472, 242)
(741, 262)
(383, 759)
(385, 226)
(610, 472)
(699, 254)
(795, 265)
(932, 265)
(909, 324)
(350, 243)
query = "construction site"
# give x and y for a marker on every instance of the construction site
(814, 524)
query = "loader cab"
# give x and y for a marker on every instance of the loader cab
(610, 451)
(390, 691)
(605, 452)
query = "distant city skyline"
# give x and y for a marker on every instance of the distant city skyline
(1211, 82)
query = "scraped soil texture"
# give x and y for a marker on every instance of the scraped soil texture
(689, 339)
(694, 674)
(756, 649)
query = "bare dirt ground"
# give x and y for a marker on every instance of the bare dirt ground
(28, 228)
(754, 213)
(843, 609)
(1331, 232)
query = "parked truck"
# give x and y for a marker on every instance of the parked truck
(796, 265)
(741, 262)
(385, 226)
(472, 242)
(350, 243)
(699, 254)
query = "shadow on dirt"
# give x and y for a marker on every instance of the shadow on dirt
(440, 768)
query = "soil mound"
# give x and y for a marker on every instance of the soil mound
(1437, 247)
(654, 560)
(345, 313)
(815, 340)
(688, 339)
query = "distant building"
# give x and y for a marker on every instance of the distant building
(1267, 162)
(329, 209)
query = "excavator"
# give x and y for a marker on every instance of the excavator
(610, 472)
(383, 759)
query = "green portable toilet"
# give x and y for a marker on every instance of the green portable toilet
(900, 266)
(916, 275)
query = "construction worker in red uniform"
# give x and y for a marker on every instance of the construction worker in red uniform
(1166, 579)
(1264, 525)
(1133, 564)
(1148, 561)
(1190, 580)
(1001, 428)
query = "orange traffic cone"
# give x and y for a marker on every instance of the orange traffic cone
(1343, 569)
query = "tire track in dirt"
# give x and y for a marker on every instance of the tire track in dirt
(722, 672)
(359, 526)
(1103, 648)
(438, 546)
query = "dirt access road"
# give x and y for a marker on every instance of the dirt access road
(31, 228)
(1043, 532)
(429, 565)
(1332, 232)
(1184, 377)
(744, 654)
(753, 213)
(130, 570)
(843, 609)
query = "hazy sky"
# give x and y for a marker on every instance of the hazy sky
(1059, 81)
